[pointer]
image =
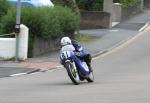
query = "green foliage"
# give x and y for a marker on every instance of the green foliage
(116, 1)
(8, 21)
(127, 3)
(68, 3)
(4, 5)
(43, 22)
(97, 5)
(85, 38)
(90, 5)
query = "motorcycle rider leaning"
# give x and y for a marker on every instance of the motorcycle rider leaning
(79, 50)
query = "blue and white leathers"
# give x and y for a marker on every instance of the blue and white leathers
(67, 53)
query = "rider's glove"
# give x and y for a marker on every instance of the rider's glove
(77, 53)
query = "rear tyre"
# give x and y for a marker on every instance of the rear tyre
(72, 73)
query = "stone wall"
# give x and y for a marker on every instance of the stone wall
(147, 3)
(42, 46)
(108, 6)
(129, 12)
(117, 12)
(94, 20)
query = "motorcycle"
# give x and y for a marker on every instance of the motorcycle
(77, 68)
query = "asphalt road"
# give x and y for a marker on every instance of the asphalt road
(120, 77)
(8, 71)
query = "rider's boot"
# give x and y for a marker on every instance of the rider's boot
(90, 68)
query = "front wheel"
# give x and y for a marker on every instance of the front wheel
(72, 72)
(90, 77)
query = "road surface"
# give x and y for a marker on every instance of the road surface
(120, 77)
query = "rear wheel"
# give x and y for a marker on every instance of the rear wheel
(72, 72)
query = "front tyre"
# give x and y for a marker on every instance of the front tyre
(90, 77)
(72, 72)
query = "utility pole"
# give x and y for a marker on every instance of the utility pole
(17, 28)
(142, 4)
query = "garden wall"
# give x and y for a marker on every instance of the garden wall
(147, 3)
(8, 45)
(7, 48)
(95, 20)
(131, 11)
(42, 46)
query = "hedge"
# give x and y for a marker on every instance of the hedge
(4, 5)
(43, 22)
(97, 5)
(127, 3)
(90, 5)
(68, 3)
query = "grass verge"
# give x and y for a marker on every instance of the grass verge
(85, 38)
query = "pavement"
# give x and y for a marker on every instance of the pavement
(106, 40)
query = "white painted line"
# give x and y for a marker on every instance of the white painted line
(114, 30)
(19, 74)
(60, 66)
(30, 72)
(123, 44)
(43, 70)
(146, 11)
(110, 50)
(144, 27)
(115, 23)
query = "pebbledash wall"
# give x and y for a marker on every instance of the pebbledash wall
(8, 45)
(7, 48)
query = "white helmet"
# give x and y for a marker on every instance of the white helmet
(65, 41)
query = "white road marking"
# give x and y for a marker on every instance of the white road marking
(144, 27)
(19, 74)
(110, 51)
(123, 44)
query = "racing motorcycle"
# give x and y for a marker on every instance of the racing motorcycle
(77, 68)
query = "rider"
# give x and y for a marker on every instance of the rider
(78, 49)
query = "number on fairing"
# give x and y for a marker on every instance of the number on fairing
(65, 54)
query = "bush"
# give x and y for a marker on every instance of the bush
(127, 3)
(4, 5)
(68, 3)
(90, 5)
(45, 22)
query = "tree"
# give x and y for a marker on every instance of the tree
(127, 3)
(3, 7)
(73, 6)
(68, 3)
(90, 5)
